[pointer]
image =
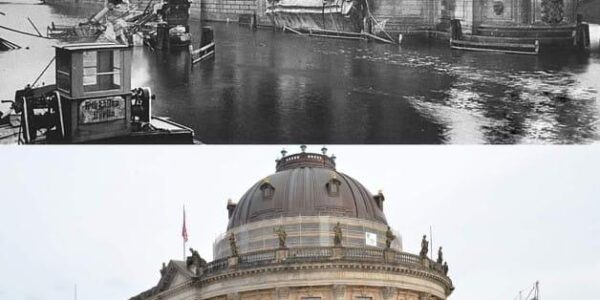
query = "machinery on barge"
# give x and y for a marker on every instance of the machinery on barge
(92, 102)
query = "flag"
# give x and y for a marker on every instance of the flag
(184, 234)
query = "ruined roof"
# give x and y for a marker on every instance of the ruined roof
(306, 184)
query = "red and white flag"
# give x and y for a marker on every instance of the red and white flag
(184, 233)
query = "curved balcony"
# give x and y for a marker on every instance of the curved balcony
(326, 257)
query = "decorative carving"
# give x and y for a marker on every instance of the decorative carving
(552, 11)
(498, 7)
(337, 235)
(389, 237)
(281, 236)
(388, 292)
(282, 293)
(424, 246)
(440, 257)
(233, 245)
(339, 291)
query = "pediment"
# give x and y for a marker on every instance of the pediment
(175, 274)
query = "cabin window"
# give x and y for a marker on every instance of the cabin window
(101, 70)
(333, 187)
(267, 190)
(63, 71)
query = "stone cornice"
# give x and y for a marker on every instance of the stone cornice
(340, 264)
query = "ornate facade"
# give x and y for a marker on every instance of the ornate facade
(306, 232)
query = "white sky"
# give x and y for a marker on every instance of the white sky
(107, 217)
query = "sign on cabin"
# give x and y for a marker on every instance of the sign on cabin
(101, 110)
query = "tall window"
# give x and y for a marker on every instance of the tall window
(267, 190)
(333, 187)
(101, 70)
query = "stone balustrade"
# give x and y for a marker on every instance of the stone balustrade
(323, 254)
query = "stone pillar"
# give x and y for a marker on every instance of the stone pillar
(281, 254)
(282, 293)
(339, 292)
(233, 261)
(425, 262)
(389, 255)
(337, 253)
(388, 293)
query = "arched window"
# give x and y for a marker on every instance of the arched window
(333, 186)
(267, 189)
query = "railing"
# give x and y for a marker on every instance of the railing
(257, 257)
(216, 266)
(310, 252)
(408, 259)
(363, 254)
(323, 254)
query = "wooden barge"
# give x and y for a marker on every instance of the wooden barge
(92, 102)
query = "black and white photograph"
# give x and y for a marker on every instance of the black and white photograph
(299, 71)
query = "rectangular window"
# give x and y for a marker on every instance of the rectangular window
(364, 298)
(101, 70)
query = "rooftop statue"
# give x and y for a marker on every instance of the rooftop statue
(233, 245)
(337, 235)
(424, 246)
(281, 235)
(389, 237)
(445, 268)
(440, 257)
(195, 262)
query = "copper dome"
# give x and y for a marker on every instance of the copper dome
(306, 184)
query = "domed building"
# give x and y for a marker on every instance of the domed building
(306, 232)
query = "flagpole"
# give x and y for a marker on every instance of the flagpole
(431, 238)
(184, 236)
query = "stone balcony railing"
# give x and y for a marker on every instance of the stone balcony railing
(267, 258)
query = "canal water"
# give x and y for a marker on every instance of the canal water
(273, 87)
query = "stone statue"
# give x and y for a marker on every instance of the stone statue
(281, 235)
(163, 270)
(424, 246)
(389, 237)
(337, 235)
(195, 262)
(445, 268)
(233, 245)
(440, 258)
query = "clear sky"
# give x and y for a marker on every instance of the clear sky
(105, 218)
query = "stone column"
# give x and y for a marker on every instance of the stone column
(389, 293)
(339, 292)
